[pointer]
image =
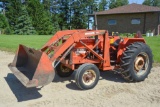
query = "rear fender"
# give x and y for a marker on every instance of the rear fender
(125, 43)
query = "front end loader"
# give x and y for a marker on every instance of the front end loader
(86, 52)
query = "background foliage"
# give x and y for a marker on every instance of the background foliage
(44, 17)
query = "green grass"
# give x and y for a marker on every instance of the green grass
(154, 43)
(10, 43)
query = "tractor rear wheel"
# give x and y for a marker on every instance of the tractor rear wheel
(87, 76)
(136, 62)
(63, 71)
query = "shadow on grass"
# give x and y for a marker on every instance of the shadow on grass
(21, 92)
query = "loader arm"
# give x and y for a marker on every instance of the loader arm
(59, 35)
(74, 38)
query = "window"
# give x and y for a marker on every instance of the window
(112, 22)
(135, 21)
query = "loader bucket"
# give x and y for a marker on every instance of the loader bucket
(32, 67)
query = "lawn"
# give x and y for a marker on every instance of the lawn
(10, 43)
(154, 43)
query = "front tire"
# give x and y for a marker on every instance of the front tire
(63, 71)
(87, 76)
(136, 62)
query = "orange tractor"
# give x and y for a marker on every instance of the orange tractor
(86, 52)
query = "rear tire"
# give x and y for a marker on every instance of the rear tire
(87, 76)
(136, 62)
(63, 71)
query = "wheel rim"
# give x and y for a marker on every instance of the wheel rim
(141, 63)
(89, 77)
(64, 69)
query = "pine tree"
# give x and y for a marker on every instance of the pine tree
(81, 10)
(62, 11)
(147, 2)
(152, 3)
(4, 26)
(24, 24)
(13, 8)
(40, 18)
(78, 21)
(103, 5)
(117, 3)
(80, 14)
(3, 22)
(3, 4)
(47, 4)
(53, 17)
(72, 14)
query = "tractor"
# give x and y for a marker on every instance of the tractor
(85, 52)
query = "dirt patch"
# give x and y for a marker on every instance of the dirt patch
(111, 91)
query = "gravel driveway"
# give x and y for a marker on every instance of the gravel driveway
(111, 91)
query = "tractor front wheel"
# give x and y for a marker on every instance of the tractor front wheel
(136, 62)
(63, 71)
(87, 76)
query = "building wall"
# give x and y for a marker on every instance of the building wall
(149, 21)
(152, 22)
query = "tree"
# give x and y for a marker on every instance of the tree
(73, 14)
(77, 18)
(54, 17)
(3, 4)
(80, 11)
(62, 12)
(152, 3)
(147, 2)
(13, 8)
(40, 18)
(92, 6)
(3, 22)
(4, 26)
(78, 21)
(103, 5)
(117, 3)
(47, 4)
(24, 23)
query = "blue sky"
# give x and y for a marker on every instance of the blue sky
(136, 1)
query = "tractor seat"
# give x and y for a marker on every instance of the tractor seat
(116, 43)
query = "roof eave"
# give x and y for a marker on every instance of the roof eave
(126, 13)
